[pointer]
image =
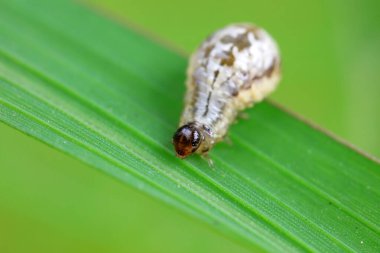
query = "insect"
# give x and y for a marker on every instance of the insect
(236, 67)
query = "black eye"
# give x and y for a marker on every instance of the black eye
(196, 139)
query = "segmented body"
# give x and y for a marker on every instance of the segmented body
(234, 68)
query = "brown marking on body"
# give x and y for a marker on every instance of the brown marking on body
(255, 31)
(228, 39)
(216, 74)
(268, 73)
(207, 105)
(235, 93)
(241, 41)
(208, 50)
(229, 60)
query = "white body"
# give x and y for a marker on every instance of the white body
(234, 68)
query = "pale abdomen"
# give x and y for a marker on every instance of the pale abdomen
(234, 68)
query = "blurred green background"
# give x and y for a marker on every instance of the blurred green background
(331, 58)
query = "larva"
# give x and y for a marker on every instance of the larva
(236, 67)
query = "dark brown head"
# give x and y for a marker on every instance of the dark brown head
(187, 140)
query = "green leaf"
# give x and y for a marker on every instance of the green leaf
(112, 98)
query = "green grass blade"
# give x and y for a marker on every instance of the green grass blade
(112, 98)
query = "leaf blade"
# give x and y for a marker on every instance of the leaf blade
(90, 99)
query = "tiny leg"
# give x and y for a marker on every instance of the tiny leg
(206, 157)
